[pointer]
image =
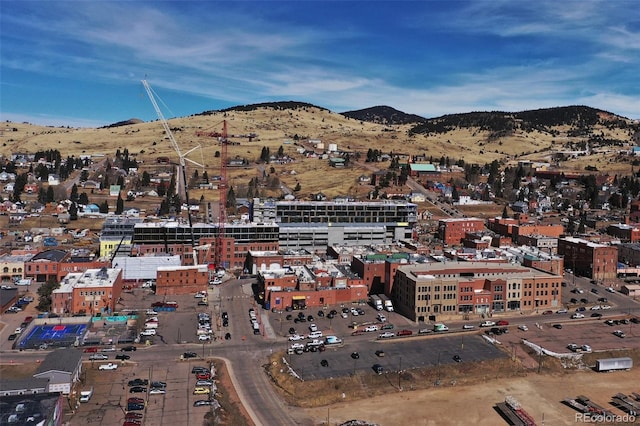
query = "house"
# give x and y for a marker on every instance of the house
(364, 179)
(8, 187)
(417, 197)
(5, 177)
(63, 368)
(31, 188)
(53, 180)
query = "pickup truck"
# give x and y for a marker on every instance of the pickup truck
(487, 324)
(110, 366)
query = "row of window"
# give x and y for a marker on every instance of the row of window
(13, 270)
(93, 293)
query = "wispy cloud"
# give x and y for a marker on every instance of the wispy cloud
(431, 58)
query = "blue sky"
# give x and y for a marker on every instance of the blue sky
(79, 63)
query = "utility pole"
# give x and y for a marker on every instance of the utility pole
(400, 373)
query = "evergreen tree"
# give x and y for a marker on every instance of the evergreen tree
(119, 205)
(74, 193)
(298, 187)
(73, 211)
(50, 194)
(505, 214)
(83, 199)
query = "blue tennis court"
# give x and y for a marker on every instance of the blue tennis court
(54, 335)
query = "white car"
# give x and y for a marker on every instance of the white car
(110, 366)
(605, 307)
(295, 337)
(610, 289)
(577, 315)
(204, 338)
(297, 346)
(315, 334)
(595, 308)
(468, 327)
(200, 295)
(586, 348)
(157, 391)
(148, 332)
(523, 327)
(94, 357)
(386, 335)
(487, 324)
(562, 311)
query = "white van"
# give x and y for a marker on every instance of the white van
(371, 328)
(149, 325)
(315, 334)
(148, 332)
(86, 395)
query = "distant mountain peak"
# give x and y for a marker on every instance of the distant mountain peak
(383, 114)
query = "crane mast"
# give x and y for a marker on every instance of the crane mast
(222, 215)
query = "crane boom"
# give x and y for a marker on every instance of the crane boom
(181, 156)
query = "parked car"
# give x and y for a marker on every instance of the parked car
(138, 382)
(577, 315)
(137, 389)
(134, 400)
(199, 369)
(596, 315)
(355, 355)
(547, 313)
(295, 337)
(109, 366)
(201, 390)
(202, 403)
(157, 391)
(502, 322)
(573, 347)
(487, 323)
(122, 357)
(128, 349)
(98, 356)
(379, 353)
(404, 333)
(457, 358)
(204, 383)
(203, 376)
(157, 384)
(324, 363)
(378, 368)
(586, 348)
(468, 327)
(12, 336)
(189, 355)
(562, 311)
(386, 334)
(619, 333)
(523, 327)
(558, 326)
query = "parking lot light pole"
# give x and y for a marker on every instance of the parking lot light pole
(400, 373)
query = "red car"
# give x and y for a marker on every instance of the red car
(203, 376)
(404, 333)
(132, 422)
(547, 313)
(502, 322)
(135, 401)
(133, 416)
(28, 319)
(89, 350)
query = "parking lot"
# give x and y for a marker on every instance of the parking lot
(587, 331)
(111, 392)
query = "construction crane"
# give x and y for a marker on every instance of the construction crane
(223, 138)
(182, 158)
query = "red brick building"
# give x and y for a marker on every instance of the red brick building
(452, 231)
(90, 292)
(56, 264)
(627, 233)
(597, 261)
(181, 280)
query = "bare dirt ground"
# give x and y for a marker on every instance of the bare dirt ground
(539, 395)
(460, 394)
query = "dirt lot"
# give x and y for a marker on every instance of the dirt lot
(539, 395)
(435, 396)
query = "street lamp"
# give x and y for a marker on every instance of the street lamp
(400, 373)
